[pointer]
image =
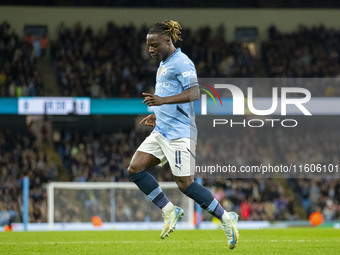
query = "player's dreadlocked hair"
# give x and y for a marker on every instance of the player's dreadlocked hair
(167, 27)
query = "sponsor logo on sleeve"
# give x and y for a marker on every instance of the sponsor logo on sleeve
(189, 73)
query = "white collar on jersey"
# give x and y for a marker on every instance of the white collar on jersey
(173, 54)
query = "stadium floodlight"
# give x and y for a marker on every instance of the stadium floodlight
(114, 202)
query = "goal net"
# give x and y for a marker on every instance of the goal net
(119, 205)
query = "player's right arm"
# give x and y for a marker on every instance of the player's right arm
(149, 120)
(191, 94)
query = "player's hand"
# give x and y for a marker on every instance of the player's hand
(149, 120)
(153, 100)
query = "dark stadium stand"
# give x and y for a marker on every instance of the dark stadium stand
(18, 71)
(182, 4)
(115, 63)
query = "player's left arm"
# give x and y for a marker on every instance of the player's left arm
(191, 94)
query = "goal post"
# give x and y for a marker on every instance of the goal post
(114, 202)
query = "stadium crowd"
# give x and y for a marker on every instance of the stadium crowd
(115, 63)
(312, 144)
(97, 157)
(21, 156)
(308, 52)
(19, 75)
(254, 199)
(92, 156)
(88, 63)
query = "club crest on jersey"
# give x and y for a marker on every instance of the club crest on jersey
(162, 71)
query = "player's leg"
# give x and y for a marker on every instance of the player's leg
(206, 200)
(144, 180)
(200, 195)
(181, 157)
(148, 155)
(180, 154)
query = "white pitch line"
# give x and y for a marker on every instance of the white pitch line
(158, 242)
(99, 242)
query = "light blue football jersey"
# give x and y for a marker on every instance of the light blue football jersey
(175, 75)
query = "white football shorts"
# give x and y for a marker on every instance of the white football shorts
(180, 153)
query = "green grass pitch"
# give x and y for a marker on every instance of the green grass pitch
(264, 241)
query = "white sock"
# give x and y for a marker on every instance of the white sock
(169, 206)
(225, 216)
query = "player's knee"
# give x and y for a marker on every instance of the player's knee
(182, 186)
(133, 169)
(183, 182)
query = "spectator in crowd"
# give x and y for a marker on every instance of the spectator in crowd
(43, 45)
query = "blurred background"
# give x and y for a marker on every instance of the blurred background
(94, 53)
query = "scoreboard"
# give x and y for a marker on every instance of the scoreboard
(53, 106)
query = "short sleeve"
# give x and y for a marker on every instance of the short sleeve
(186, 74)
